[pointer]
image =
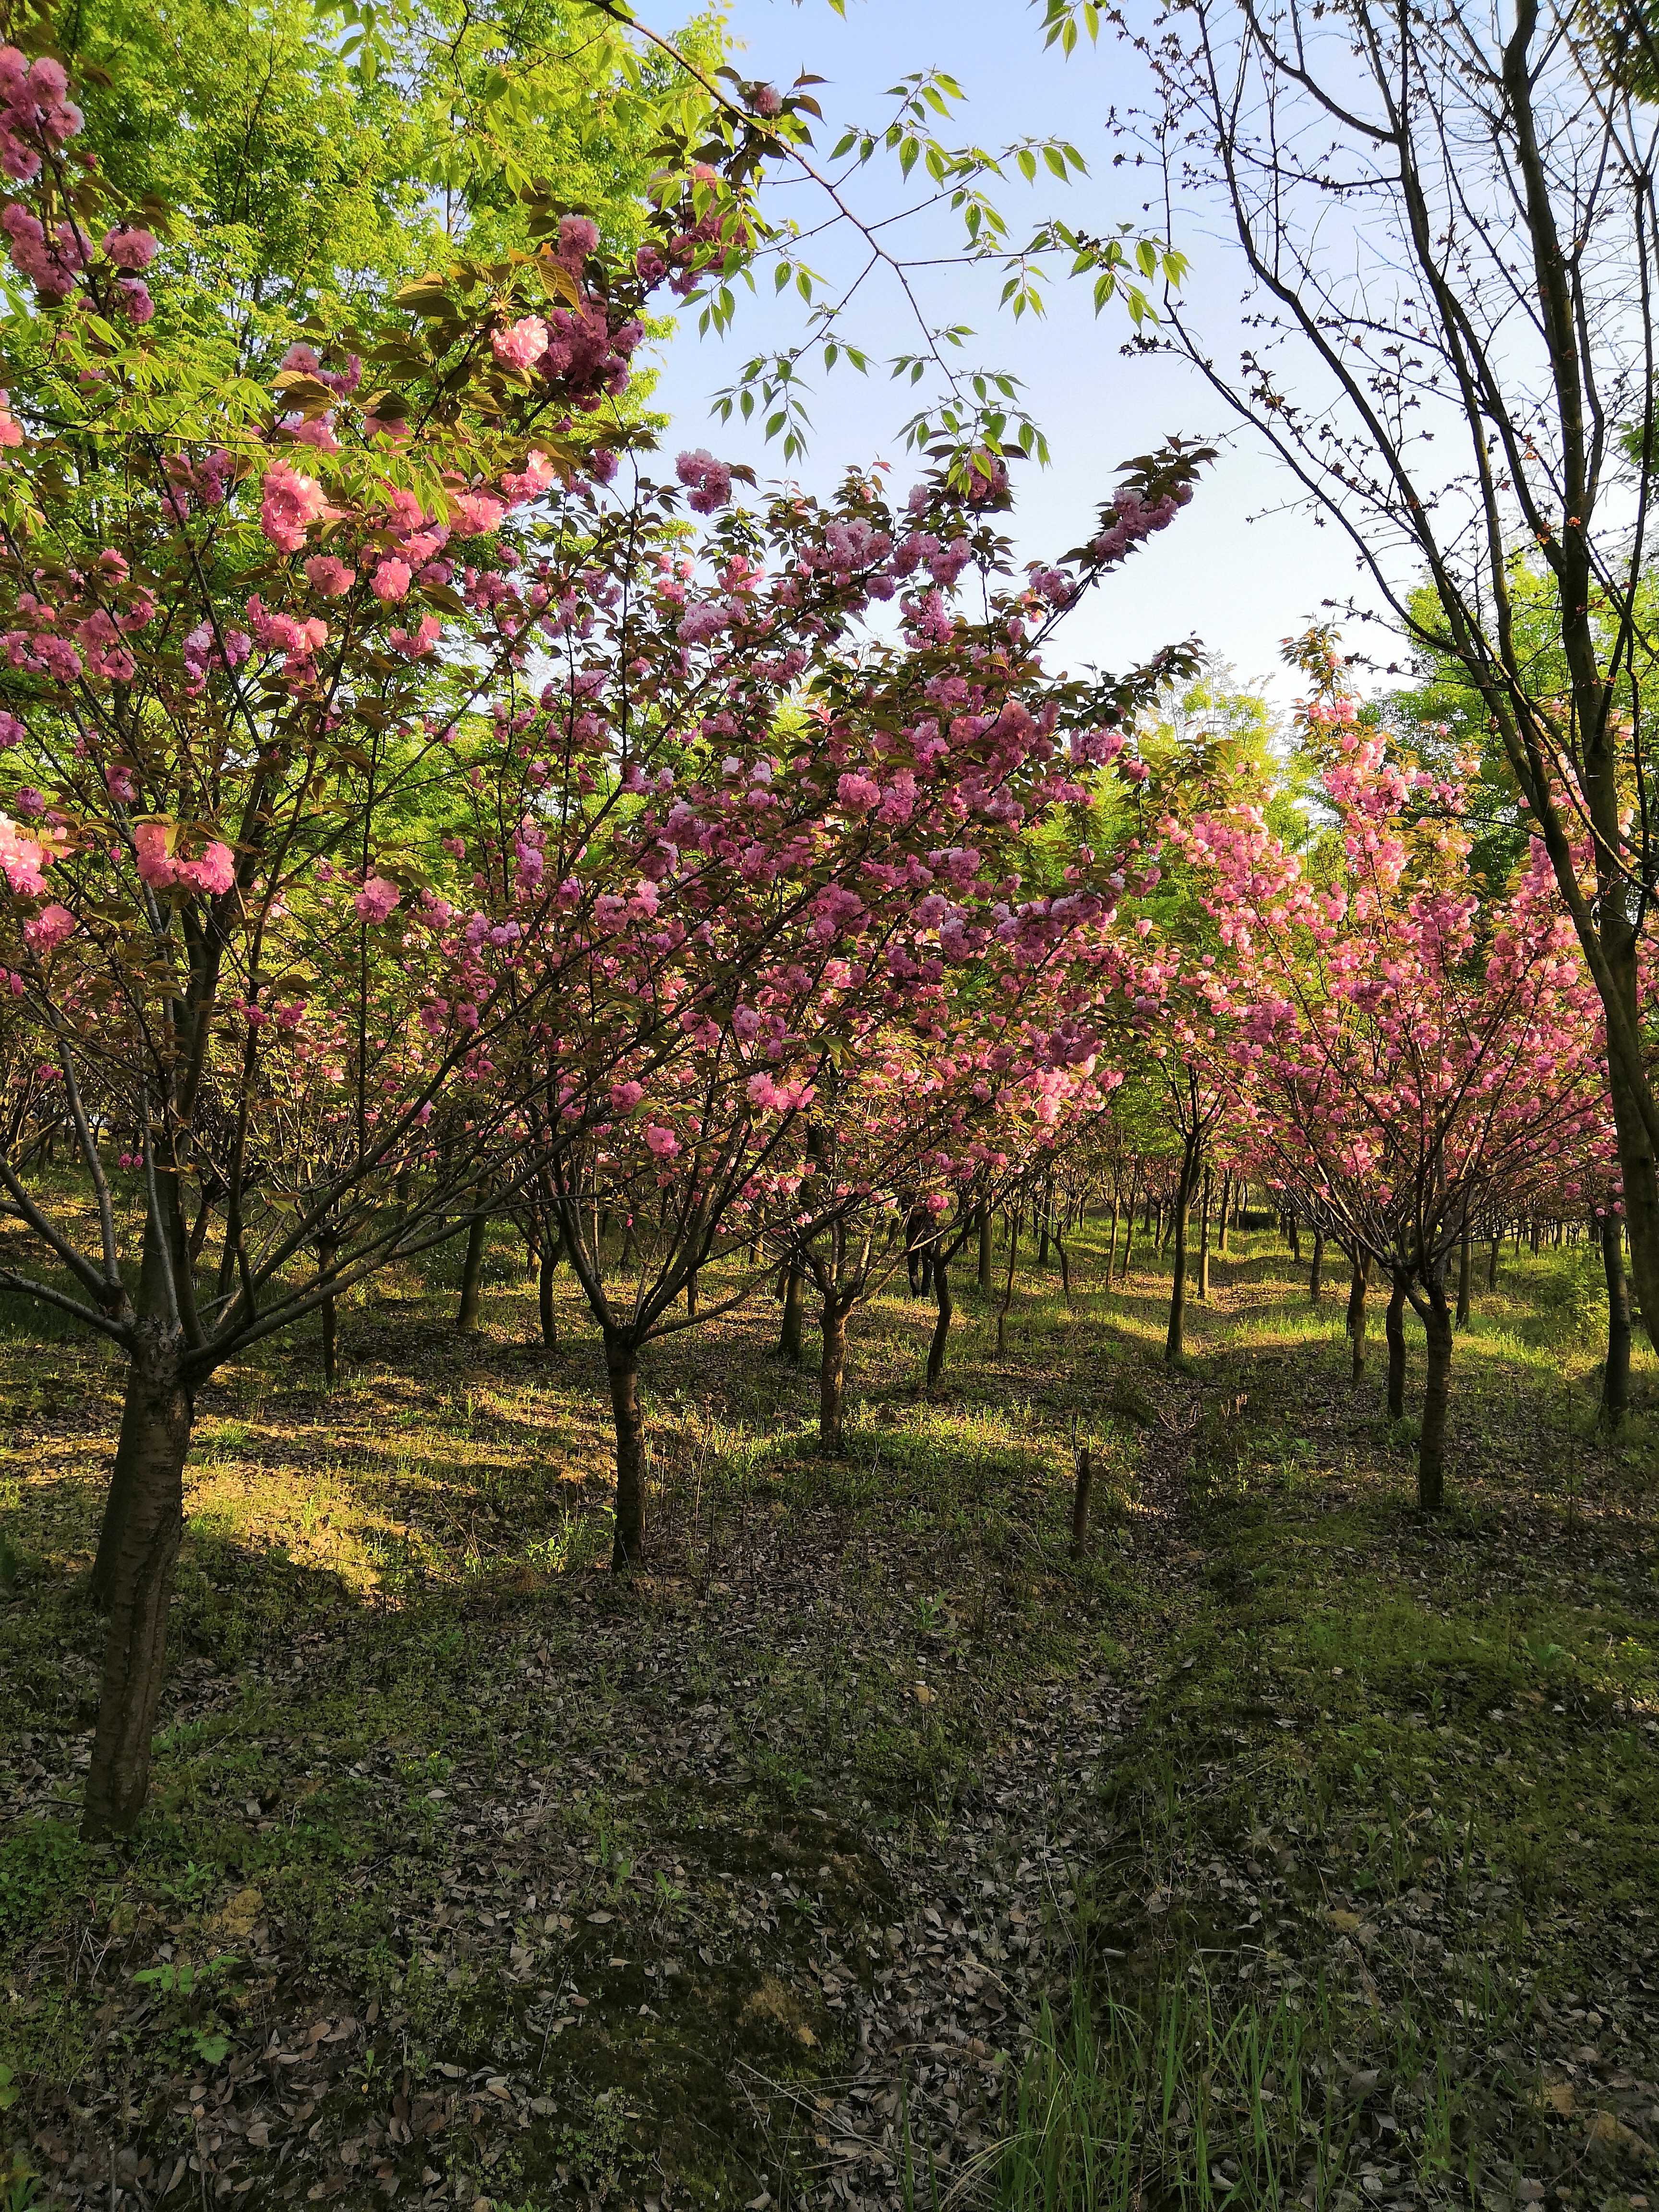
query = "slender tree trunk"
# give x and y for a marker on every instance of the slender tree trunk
(1432, 1447)
(1641, 1185)
(1008, 1285)
(155, 1432)
(1465, 1250)
(1316, 1277)
(328, 1248)
(1064, 1258)
(1359, 1284)
(1226, 1208)
(1174, 1339)
(1293, 1232)
(832, 1374)
(1080, 1501)
(1491, 1261)
(466, 1321)
(1393, 1328)
(691, 1296)
(1615, 1378)
(1204, 1240)
(1111, 1249)
(552, 1250)
(795, 1307)
(986, 1253)
(622, 1363)
(1129, 1238)
(942, 1324)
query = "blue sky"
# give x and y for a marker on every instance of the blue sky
(1240, 568)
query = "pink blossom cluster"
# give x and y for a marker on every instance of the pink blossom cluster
(35, 112)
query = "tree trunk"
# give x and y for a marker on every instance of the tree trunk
(466, 1321)
(1174, 1341)
(1316, 1277)
(1641, 1190)
(942, 1325)
(1065, 1268)
(1128, 1239)
(1111, 1249)
(1465, 1247)
(1491, 1261)
(1226, 1208)
(154, 1436)
(1008, 1285)
(1393, 1328)
(552, 1251)
(328, 1249)
(1431, 1446)
(986, 1255)
(1615, 1378)
(795, 1307)
(832, 1375)
(1204, 1240)
(691, 1296)
(1359, 1284)
(1080, 1501)
(1293, 1233)
(135, 1422)
(622, 1361)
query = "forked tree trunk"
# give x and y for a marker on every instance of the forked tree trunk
(622, 1363)
(1465, 1246)
(794, 1308)
(1615, 1377)
(1436, 1384)
(987, 1252)
(942, 1324)
(154, 1435)
(466, 1319)
(1393, 1328)
(832, 1373)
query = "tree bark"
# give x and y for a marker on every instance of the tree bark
(1008, 1285)
(551, 1252)
(1316, 1277)
(1293, 1232)
(832, 1374)
(1129, 1238)
(1465, 1247)
(794, 1308)
(134, 1416)
(466, 1319)
(622, 1363)
(1393, 1328)
(328, 1248)
(1204, 1240)
(1080, 1501)
(986, 1253)
(155, 1437)
(1359, 1284)
(1226, 1208)
(942, 1325)
(1431, 1445)
(1175, 1338)
(1615, 1377)
(1111, 1249)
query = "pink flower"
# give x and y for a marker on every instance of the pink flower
(215, 872)
(521, 344)
(625, 1096)
(23, 858)
(578, 236)
(291, 503)
(376, 899)
(48, 928)
(710, 480)
(330, 578)
(154, 843)
(857, 792)
(663, 1142)
(11, 430)
(474, 514)
(391, 581)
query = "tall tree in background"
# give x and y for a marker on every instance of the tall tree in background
(1449, 219)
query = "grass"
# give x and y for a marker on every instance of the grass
(470, 1870)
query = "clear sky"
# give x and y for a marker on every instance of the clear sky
(1239, 569)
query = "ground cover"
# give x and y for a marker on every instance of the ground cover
(871, 1849)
